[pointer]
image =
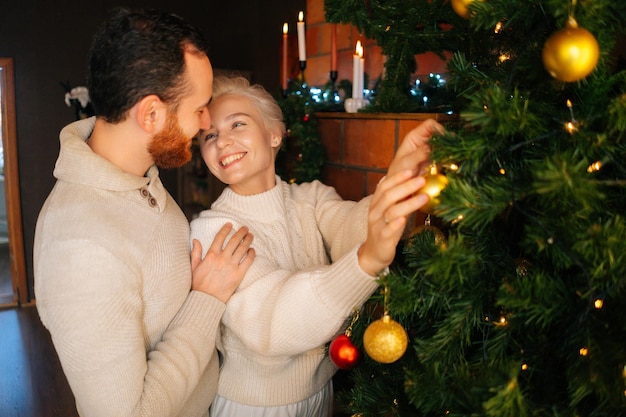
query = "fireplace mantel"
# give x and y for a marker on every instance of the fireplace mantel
(360, 146)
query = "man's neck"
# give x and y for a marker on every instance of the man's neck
(122, 144)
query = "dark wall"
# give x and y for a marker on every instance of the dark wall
(49, 41)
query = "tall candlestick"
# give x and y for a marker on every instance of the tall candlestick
(284, 67)
(333, 47)
(301, 37)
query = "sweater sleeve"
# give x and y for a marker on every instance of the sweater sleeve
(97, 328)
(279, 312)
(342, 223)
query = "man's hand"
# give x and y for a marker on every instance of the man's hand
(225, 264)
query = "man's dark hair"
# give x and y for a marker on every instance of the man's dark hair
(137, 53)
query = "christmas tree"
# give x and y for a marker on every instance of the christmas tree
(513, 295)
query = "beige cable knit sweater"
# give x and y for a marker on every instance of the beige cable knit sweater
(112, 278)
(292, 300)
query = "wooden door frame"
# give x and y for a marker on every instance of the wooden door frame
(12, 187)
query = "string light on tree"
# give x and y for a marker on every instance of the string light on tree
(596, 166)
(571, 53)
(572, 125)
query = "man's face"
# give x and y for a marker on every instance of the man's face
(171, 147)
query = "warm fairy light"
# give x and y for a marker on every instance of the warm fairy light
(454, 167)
(570, 127)
(486, 318)
(505, 56)
(498, 28)
(458, 218)
(501, 322)
(502, 171)
(583, 351)
(485, 108)
(573, 123)
(594, 167)
(598, 303)
(524, 367)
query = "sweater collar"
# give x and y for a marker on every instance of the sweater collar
(262, 207)
(78, 164)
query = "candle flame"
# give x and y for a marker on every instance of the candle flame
(359, 49)
(285, 28)
(301, 16)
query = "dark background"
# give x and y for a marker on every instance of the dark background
(49, 41)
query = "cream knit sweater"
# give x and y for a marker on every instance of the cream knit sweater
(292, 300)
(112, 278)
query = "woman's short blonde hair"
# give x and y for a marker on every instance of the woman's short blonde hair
(269, 109)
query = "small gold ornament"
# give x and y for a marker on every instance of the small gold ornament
(461, 8)
(440, 237)
(385, 340)
(571, 53)
(435, 183)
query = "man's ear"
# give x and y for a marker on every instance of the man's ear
(151, 113)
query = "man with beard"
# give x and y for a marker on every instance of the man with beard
(132, 317)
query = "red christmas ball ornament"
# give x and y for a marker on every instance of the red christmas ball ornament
(343, 353)
(306, 118)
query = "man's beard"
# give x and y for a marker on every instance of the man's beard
(170, 148)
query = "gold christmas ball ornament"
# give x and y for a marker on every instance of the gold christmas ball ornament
(440, 237)
(435, 183)
(461, 7)
(571, 53)
(385, 340)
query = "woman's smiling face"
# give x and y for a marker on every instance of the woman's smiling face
(238, 149)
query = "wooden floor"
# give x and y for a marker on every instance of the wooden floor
(32, 383)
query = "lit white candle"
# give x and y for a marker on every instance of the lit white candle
(356, 63)
(361, 71)
(284, 67)
(301, 37)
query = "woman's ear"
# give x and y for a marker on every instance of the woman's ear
(151, 113)
(277, 140)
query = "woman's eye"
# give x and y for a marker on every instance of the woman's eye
(209, 136)
(237, 124)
